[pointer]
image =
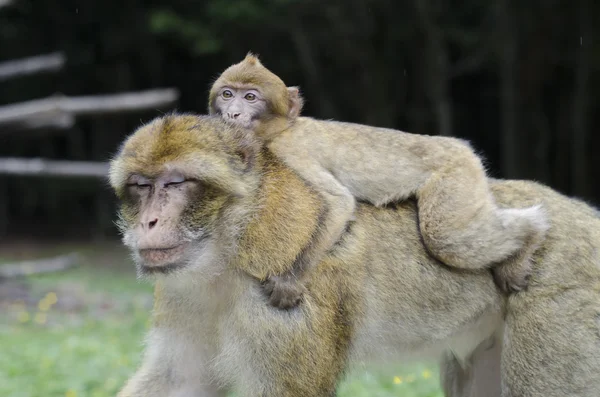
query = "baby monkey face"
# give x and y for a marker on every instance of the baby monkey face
(241, 105)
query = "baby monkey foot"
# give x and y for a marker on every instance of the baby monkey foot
(513, 276)
(284, 292)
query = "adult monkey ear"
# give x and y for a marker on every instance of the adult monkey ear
(296, 102)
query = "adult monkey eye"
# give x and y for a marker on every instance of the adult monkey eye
(250, 97)
(167, 184)
(138, 181)
(227, 94)
(174, 180)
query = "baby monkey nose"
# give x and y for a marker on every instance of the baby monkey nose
(234, 115)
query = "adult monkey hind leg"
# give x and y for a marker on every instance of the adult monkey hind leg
(552, 343)
(476, 376)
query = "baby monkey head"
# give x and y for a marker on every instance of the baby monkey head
(175, 178)
(249, 94)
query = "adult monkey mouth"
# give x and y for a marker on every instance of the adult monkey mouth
(160, 257)
(167, 259)
(164, 269)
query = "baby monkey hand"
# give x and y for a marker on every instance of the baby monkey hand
(285, 291)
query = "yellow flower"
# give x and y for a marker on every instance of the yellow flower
(23, 317)
(71, 393)
(44, 305)
(51, 298)
(40, 318)
(426, 374)
(397, 380)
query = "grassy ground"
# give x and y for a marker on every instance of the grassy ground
(79, 333)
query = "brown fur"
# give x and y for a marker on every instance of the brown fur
(377, 293)
(459, 220)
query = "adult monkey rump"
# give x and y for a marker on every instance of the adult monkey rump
(459, 220)
(207, 211)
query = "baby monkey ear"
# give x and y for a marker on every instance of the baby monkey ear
(296, 102)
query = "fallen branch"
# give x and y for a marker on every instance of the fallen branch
(33, 65)
(57, 120)
(60, 110)
(26, 268)
(119, 103)
(42, 167)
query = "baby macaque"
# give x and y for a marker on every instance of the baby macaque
(459, 221)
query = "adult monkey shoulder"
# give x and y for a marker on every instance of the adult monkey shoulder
(377, 291)
(459, 220)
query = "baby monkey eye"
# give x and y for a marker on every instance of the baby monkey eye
(227, 94)
(250, 97)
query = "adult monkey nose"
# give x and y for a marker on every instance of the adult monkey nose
(148, 221)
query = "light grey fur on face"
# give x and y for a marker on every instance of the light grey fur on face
(242, 106)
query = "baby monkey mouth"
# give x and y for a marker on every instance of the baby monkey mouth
(244, 120)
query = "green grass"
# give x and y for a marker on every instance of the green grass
(79, 333)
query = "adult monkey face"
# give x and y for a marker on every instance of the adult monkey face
(171, 197)
(160, 201)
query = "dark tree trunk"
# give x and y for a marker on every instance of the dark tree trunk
(508, 95)
(437, 78)
(580, 175)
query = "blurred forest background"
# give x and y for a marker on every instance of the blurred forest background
(514, 77)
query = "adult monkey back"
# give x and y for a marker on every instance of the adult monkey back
(209, 212)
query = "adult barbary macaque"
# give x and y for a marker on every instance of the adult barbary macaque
(208, 213)
(458, 218)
